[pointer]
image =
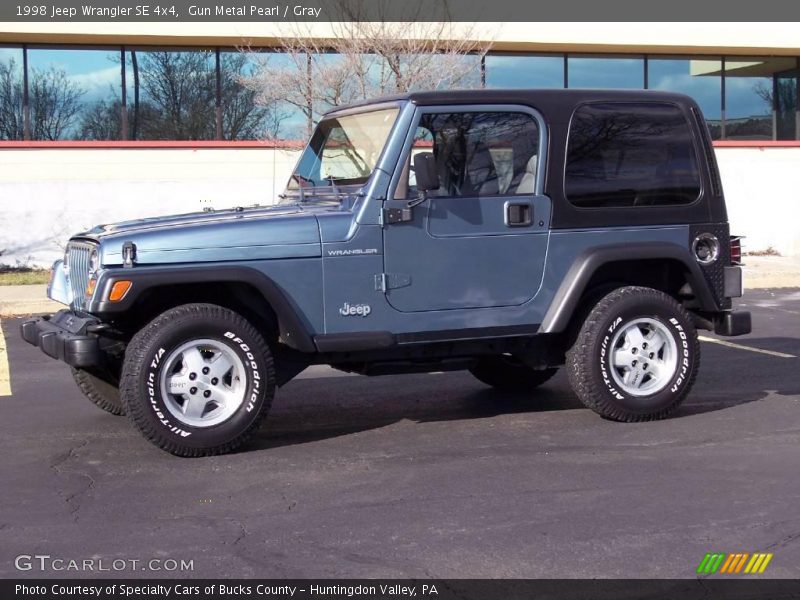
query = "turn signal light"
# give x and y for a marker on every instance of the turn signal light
(90, 286)
(119, 289)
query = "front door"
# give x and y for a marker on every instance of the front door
(480, 240)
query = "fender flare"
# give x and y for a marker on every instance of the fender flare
(294, 328)
(573, 285)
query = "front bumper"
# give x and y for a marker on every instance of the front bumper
(66, 336)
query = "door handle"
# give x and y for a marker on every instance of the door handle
(518, 214)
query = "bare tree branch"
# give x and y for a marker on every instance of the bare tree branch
(54, 103)
(364, 59)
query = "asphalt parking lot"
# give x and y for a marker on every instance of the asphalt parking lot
(421, 476)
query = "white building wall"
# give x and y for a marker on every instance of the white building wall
(48, 194)
(762, 192)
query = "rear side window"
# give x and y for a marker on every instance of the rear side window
(630, 154)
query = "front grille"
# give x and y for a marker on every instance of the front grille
(78, 254)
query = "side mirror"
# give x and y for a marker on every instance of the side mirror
(425, 172)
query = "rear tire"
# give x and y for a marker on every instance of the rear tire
(198, 380)
(636, 356)
(101, 391)
(509, 374)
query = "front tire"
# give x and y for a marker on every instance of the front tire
(636, 356)
(198, 380)
(508, 374)
(102, 391)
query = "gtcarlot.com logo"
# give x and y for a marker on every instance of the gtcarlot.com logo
(46, 562)
(741, 563)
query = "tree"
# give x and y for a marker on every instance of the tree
(784, 104)
(101, 121)
(53, 99)
(179, 85)
(175, 98)
(364, 59)
(11, 119)
(55, 103)
(242, 118)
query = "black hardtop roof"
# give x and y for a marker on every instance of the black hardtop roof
(565, 98)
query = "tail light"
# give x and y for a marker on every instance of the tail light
(736, 250)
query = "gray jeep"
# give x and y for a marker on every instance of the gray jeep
(507, 233)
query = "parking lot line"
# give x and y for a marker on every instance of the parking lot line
(703, 338)
(5, 374)
(780, 308)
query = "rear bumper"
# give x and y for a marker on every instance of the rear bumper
(65, 336)
(731, 323)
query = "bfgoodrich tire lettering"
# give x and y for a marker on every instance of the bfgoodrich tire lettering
(147, 356)
(608, 367)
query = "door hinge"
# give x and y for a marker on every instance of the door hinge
(396, 215)
(391, 281)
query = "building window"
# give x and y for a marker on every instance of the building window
(244, 115)
(12, 120)
(116, 93)
(787, 86)
(294, 89)
(516, 71)
(605, 72)
(171, 95)
(630, 154)
(72, 93)
(760, 98)
(698, 77)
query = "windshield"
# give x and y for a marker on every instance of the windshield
(343, 150)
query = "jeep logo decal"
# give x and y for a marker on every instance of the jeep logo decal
(351, 310)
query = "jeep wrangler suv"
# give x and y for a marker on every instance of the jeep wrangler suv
(507, 233)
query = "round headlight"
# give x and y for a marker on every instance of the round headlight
(94, 261)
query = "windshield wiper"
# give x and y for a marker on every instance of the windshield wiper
(331, 193)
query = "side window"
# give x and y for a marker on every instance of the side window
(477, 153)
(630, 154)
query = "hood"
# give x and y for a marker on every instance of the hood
(223, 235)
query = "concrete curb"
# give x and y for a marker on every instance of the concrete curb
(761, 272)
(20, 300)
